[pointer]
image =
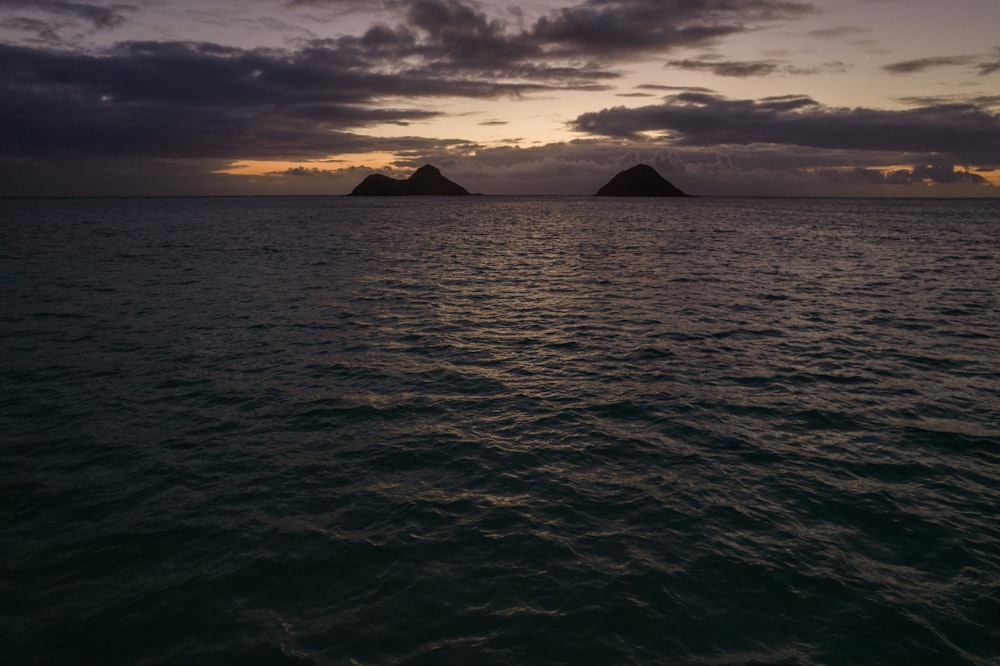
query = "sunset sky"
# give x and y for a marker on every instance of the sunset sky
(727, 97)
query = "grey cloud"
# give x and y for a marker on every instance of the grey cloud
(990, 66)
(44, 31)
(832, 67)
(944, 173)
(918, 176)
(574, 167)
(206, 100)
(466, 36)
(985, 66)
(709, 120)
(178, 99)
(786, 103)
(982, 101)
(177, 113)
(200, 101)
(182, 100)
(304, 172)
(923, 64)
(98, 16)
(456, 35)
(450, 39)
(728, 68)
(328, 3)
(755, 68)
(615, 27)
(734, 170)
(665, 88)
(837, 32)
(441, 48)
(170, 177)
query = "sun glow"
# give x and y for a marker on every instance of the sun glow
(379, 160)
(992, 177)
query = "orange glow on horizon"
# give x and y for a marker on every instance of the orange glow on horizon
(332, 163)
(992, 177)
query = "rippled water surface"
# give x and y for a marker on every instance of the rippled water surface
(500, 431)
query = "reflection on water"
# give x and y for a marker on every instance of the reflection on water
(500, 430)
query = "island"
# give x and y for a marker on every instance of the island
(641, 180)
(427, 180)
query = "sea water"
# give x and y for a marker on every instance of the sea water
(500, 430)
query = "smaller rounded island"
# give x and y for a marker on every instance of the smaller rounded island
(641, 180)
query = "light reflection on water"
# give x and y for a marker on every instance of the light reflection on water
(501, 430)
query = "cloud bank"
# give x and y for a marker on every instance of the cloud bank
(142, 115)
(964, 132)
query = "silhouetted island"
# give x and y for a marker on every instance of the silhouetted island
(641, 180)
(426, 180)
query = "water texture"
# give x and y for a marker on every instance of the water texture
(499, 430)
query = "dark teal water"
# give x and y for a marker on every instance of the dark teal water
(499, 431)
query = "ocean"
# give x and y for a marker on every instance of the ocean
(499, 430)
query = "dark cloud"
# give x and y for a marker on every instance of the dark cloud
(755, 68)
(99, 16)
(343, 5)
(982, 101)
(837, 32)
(192, 103)
(47, 21)
(458, 36)
(493, 123)
(461, 35)
(171, 117)
(332, 3)
(449, 39)
(44, 31)
(985, 66)
(923, 64)
(99, 176)
(206, 100)
(728, 68)
(919, 176)
(182, 100)
(990, 66)
(581, 166)
(691, 119)
(944, 173)
(615, 27)
(304, 172)
(574, 167)
(673, 89)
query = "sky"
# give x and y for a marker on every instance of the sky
(894, 98)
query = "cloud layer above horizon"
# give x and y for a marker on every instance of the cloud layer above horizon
(109, 98)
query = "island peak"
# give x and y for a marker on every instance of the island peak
(641, 180)
(427, 180)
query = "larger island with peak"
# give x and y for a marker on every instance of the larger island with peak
(427, 180)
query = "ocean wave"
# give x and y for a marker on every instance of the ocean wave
(500, 431)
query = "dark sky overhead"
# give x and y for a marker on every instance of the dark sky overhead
(776, 97)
